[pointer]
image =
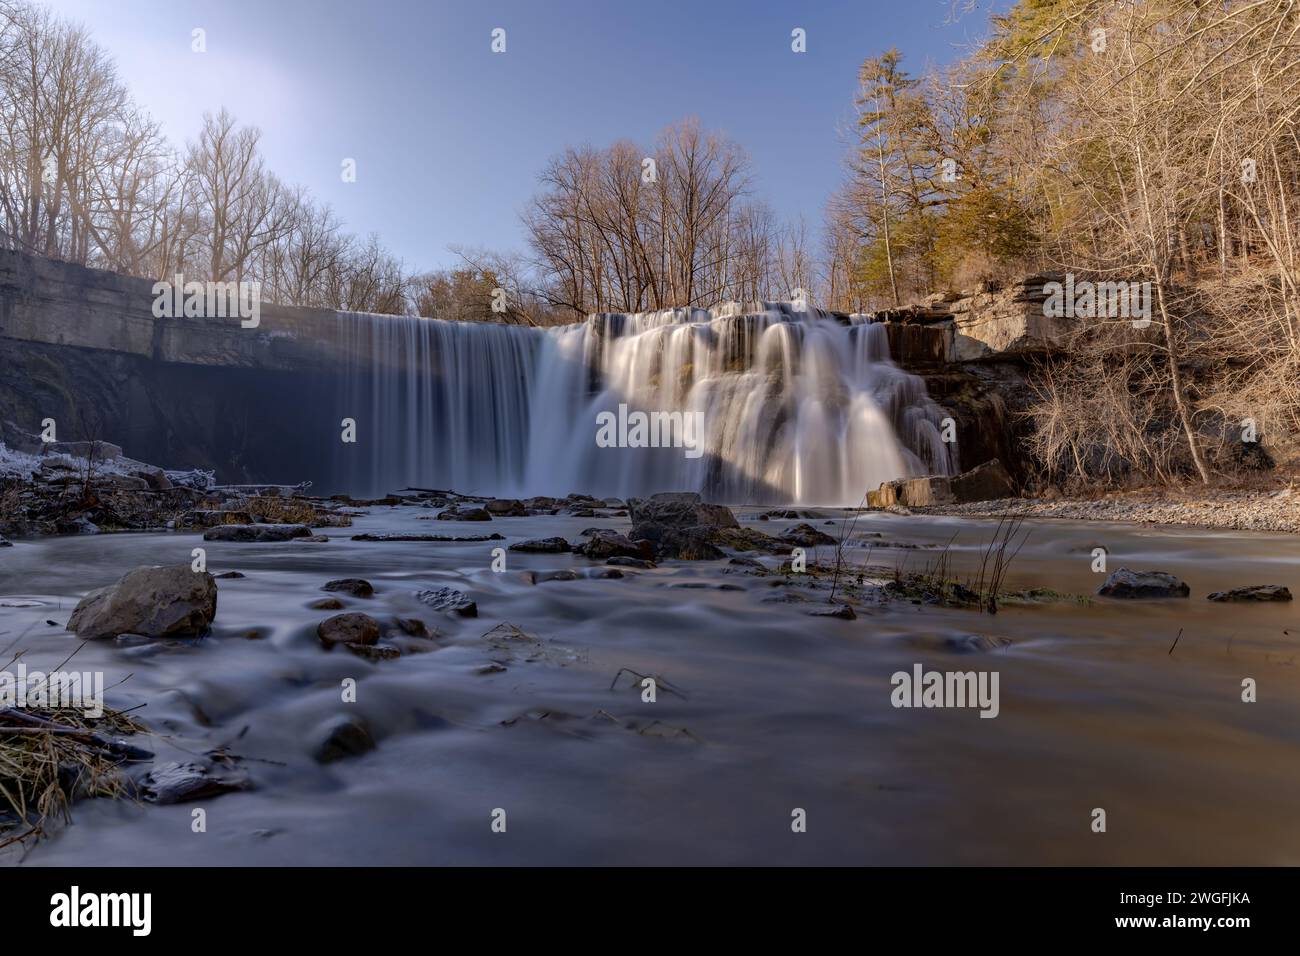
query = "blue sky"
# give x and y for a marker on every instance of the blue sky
(449, 137)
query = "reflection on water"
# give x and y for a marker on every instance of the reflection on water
(783, 710)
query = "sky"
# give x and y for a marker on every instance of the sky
(449, 137)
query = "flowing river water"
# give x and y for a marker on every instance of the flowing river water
(776, 710)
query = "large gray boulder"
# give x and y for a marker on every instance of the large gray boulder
(679, 509)
(153, 601)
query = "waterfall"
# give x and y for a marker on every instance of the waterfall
(793, 407)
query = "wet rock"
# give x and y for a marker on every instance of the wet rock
(357, 587)
(327, 604)
(747, 539)
(615, 503)
(562, 575)
(603, 544)
(346, 736)
(456, 513)
(987, 482)
(679, 509)
(448, 599)
(806, 536)
(684, 544)
(541, 503)
(786, 597)
(506, 507)
(79, 525)
(153, 601)
(412, 626)
(886, 495)
(624, 561)
(542, 546)
(229, 575)
(975, 643)
(257, 532)
(181, 782)
(374, 652)
(841, 611)
(582, 512)
(490, 668)
(350, 628)
(1143, 584)
(406, 536)
(607, 573)
(1254, 592)
(4, 543)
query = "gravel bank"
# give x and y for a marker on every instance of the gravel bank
(1237, 510)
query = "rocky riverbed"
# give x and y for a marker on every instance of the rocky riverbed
(1277, 509)
(375, 693)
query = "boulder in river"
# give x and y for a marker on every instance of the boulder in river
(506, 507)
(806, 536)
(602, 544)
(166, 601)
(357, 587)
(679, 509)
(257, 532)
(448, 599)
(345, 736)
(1143, 584)
(542, 546)
(351, 628)
(1254, 592)
(455, 513)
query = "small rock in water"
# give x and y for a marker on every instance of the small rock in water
(345, 736)
(492, 668)
(448, 599)
(1255, 592)
(607, 573)
(228, 575)
(179, 782)
(326, 604)
(5, 543)
(506, 507)
(357, 587)
(623, 561)
(351, 628)
(257, 532)
(806, 536)
(466, 514)
(412, 626)
(542, 546)
(972, 643)
(1143, 584)
(374, 652)
(564, 574)
(841, 611)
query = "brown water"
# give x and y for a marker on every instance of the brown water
(783, 710)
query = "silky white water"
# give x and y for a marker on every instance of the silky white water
(792, 406)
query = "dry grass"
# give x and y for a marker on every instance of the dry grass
(51, 756)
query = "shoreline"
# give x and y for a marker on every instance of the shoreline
(1222, 510)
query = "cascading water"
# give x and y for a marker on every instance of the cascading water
(794, 407)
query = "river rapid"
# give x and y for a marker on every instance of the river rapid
(764, 709)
